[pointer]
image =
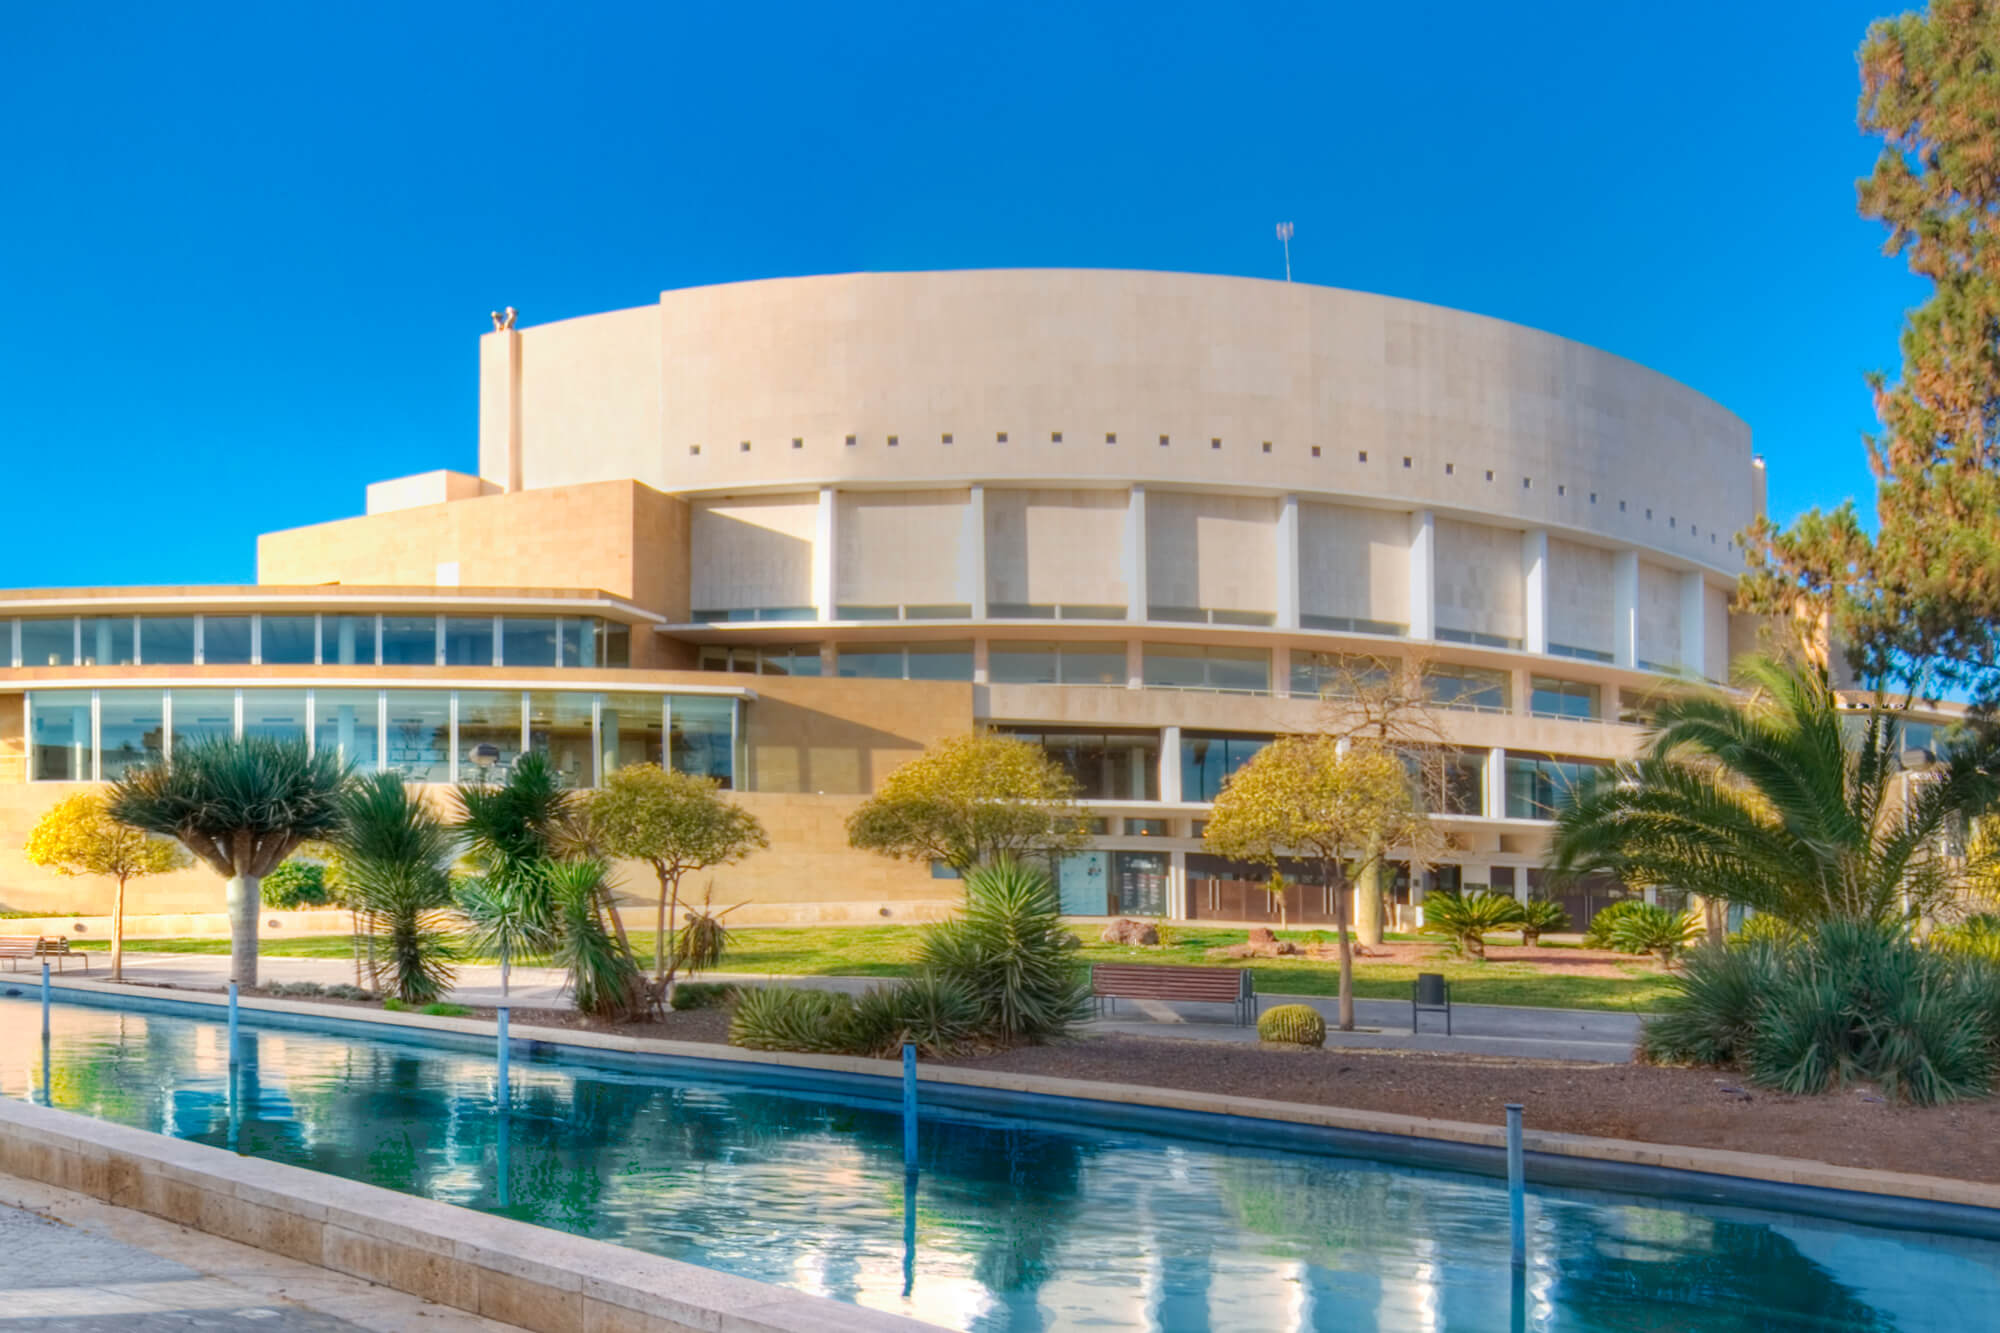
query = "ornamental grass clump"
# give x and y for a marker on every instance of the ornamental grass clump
(1848, 1002)
(1292, 1025)
(1467, 918)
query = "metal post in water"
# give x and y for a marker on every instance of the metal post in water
(909, 1232)
(1517, 1194)
(45, 1001)
(501, 1035)
(45, 1070)
(909, 1107)
(232, 1022)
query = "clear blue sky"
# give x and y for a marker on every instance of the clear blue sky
(246, 251)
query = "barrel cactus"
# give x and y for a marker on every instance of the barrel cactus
(1293, 1025)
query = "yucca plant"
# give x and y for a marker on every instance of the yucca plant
(241, 806)
(791, 1018)
(603, 979)
(394, 857)
(1012, 953)
(1656, 930)
(703, 939)
(1541, 916)
(1467, 918)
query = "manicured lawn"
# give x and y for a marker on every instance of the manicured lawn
(887, 951)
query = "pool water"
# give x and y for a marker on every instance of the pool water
(1011, 1224)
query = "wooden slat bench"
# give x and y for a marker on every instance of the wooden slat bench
(14, 948)
(1199, 985)
(59, 950)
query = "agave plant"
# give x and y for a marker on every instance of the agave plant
(1012, 953)
(603, 979)
(1467, 918)
(1541, 916)
(394, 857)
(1646, 928)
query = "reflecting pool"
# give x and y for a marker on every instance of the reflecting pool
(1010, 1225)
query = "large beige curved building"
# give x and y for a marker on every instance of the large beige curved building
(791, 531)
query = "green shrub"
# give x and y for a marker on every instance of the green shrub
(1764, 928)
(1655, 930)
(301, 989)
(1293, 1025)
(343, 991)
(445, 1009)
(702, 995)
(1011, 952)
(1541, 917)
(790, 1018)
(932, 1013)
(939, 1015)
(1467, 918)
(296, 885)
(395, 1005)
(1598, 934)
(1978, 936)
(1849, 1001)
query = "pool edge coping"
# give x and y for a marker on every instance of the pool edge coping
(1761, 1167)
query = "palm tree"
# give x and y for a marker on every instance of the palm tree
(1780, 801)
(241, 806)
(395, 856)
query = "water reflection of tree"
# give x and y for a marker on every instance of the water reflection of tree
(1014, 1188)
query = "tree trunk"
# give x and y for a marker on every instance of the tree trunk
(118, 932)
(503, 973)
(242, 897)
(1334, 877)
(1368, 899)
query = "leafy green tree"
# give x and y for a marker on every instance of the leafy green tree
(1316, 798)
(675, 823)
(297, 884)
(1920, 600)
(970, 801)
(1780, 801)
(395, 858)
(242, 807)
(78, 836)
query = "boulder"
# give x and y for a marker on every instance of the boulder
(1262, 935)
(1127, 931)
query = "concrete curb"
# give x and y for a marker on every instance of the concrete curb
(1759, 1167)
(520, 1274)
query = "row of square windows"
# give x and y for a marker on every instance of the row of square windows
(1361, 456)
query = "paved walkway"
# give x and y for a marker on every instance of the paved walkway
(69, 1262)
(1486, 1029)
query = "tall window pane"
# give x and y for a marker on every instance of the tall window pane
(1477, 688)
(702, 737)
(344, 722)
(631, 730)
(1207, 762)
(288, 641)
(419, 735)
(468, 640)
(107, 641)
(489, 734)
(130, 730)
(526, 642)
(225, 640)
(348, 641)
(872, 661)
(199, 714)
(579, 642)
(410, 640)
(167, 640)
(59, 734)
(276, 713)
(48, 641)
(559, 731)
(615, 644)
(941, 661)
(1093, 663)
(1021, 663)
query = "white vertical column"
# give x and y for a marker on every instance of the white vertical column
(1625, 609)
(1135, 556)
(1281, 672)
(982, 670)
(1177, 886)
(975, 546)
(1288, 562)
(1535, 591)
(1423, 575)
(822, 566)
(1694, 622)
(1493, 802)
(1170, 763)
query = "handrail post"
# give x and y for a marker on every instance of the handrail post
(501, 1034)
(45, 999)
(232, 1022)
(909, 1107)
(1517, 1194)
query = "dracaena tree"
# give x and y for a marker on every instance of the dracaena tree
(970, 801)
(241, 806)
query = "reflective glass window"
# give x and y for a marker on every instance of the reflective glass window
(1538, 785)
(419, 735)
(1338, 675)
(130, 730)
(412, 640)
(468, 641)
(1092, 663)
(202, 714)
(616, 644)
(107, 641)
(940, 661)
(703, 737)
(1207, 762)
(489, 734)
(347, 641)
(631, 728)
(287, 640)
(277, 713)
(1139, 883)
(1113, 766)
(59, 734)
(1476, 688)
(167, 640)
(872, 661)
(1211, 667)
(1549, 697)
(580, 642)
(1021, 663)
(527, 642)
(559, 731)
(225, 640)
(48, 641)
(346, 722)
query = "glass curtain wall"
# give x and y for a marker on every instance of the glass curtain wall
(289, 640)
(108, 641)
(1208, 761)
(559, 731)
(489, 734)
(348, 722)
(131, 731)
(419, 732)
(1107, 766)
(50, 642)
(703, 736)
(166, 640)
(225, 640)
(60, 746)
